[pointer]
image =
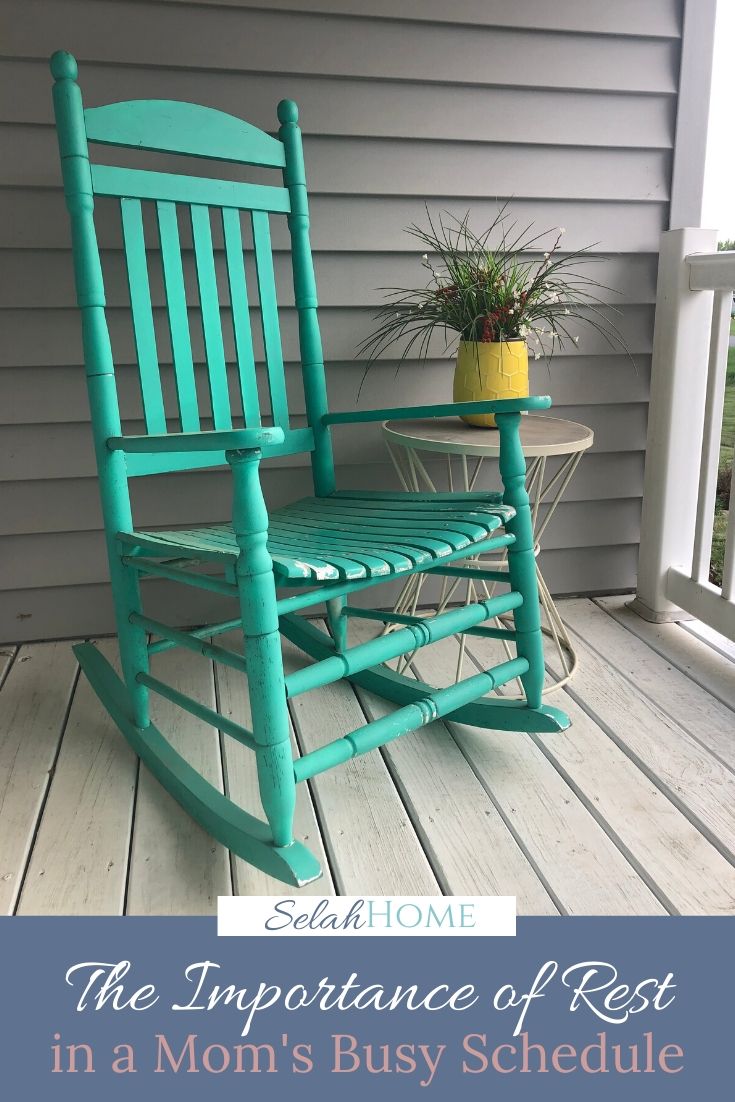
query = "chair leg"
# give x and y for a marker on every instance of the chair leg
(338, 621)
(264, 662)
(132, 640)
(529, 638)
(521, 558)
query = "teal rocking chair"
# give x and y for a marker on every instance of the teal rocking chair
(319, 549)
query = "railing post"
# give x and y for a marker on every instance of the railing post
(675, 422)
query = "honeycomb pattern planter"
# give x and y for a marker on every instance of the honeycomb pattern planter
(490, 369)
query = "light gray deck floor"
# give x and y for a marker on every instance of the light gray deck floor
(632, 811)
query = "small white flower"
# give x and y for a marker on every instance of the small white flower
(562, 229)
(546, 256)
(537, 355)
(576, 340)
(566, 309)
(425, 256)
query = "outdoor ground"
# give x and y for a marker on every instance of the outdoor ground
(631, 811)
(727, 443)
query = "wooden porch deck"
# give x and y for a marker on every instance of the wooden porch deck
(632, 811)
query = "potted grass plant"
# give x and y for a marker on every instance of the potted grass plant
(500, 296)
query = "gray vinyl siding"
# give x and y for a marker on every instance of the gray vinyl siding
(567, 108)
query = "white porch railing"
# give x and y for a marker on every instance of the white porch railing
(693, 306)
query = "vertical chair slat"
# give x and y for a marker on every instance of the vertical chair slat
(178, 319)
(211, 320)
(142, 311)
(241, 316)
(269, 317)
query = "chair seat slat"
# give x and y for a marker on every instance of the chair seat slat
(241, 316)
(142, 311)
(211, 321)
(471, 522)
(436, 543)
(314, 550)
(381, 559)
(269, 317)
(178, 319)
(142, 183)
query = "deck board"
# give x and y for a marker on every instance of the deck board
(175, 867)
(682, 868)
(33, 709)
(373, 847)
(583, 869)
(7, 654)
(697, 782)
(241, 783)
(80, 857)
(632, 811)
(706, 719)
(472, 849)
(701, 663)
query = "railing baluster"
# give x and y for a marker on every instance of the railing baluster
(688, 380)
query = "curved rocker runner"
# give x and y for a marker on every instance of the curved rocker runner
(319, 549)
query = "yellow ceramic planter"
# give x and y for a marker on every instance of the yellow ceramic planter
(490, 369)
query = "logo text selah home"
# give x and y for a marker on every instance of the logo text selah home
(432, 916)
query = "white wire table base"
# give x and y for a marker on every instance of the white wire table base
(414, 477)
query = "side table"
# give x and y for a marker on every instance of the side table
(466, 448)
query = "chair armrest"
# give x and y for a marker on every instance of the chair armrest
(210, 441)
(452, 409)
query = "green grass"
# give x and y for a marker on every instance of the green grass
(717, 557)
(727, 444)
(727, 440)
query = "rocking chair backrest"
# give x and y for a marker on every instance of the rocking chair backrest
(191, 130)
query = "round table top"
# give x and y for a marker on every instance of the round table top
(540, 436)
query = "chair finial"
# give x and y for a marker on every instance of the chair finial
(63, 66)
(288, 111)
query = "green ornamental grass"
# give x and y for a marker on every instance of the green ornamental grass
(493, 287)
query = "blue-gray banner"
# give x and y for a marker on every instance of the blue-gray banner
(569, 1008)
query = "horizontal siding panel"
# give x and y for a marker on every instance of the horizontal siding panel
(65, 451)
(70, 505)
(37, 219)
(287, 42)
(374, 166)
(43, 278)
(367, 108)
(79, 558)
(33, 338)
(49, 395)
(74, 611)
(624, 17)
(567, 108)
